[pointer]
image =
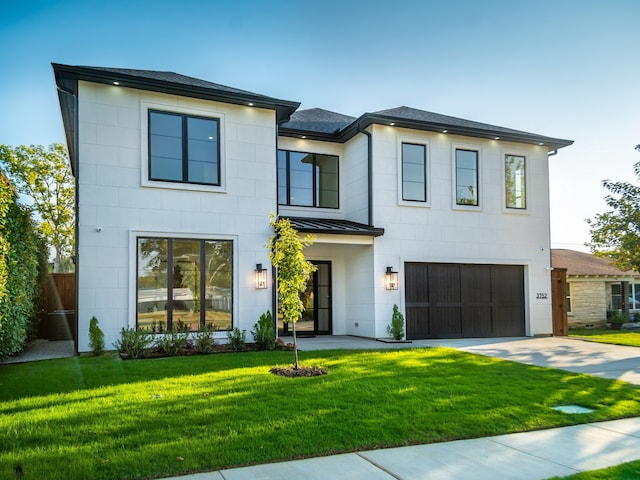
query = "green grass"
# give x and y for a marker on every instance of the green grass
(626, 471)
(616, 337)
(104, 418)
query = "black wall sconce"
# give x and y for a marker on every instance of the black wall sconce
(391, 279)
(261, 277)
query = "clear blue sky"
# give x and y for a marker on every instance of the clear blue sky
(563, 68)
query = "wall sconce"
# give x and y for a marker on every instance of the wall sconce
(391, 279)
(261, 277)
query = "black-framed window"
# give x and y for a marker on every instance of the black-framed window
(184, 284)
(515, 177)
(414, 172)
(308, 179)
(184, 148)
(466, 177)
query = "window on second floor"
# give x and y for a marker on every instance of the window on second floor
(466, 177)
(515, 181)
(414, 172)
(184, 148)
(308, 179)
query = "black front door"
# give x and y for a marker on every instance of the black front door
(316, 317)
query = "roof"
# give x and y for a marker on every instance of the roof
(174, 83)
(586, 264)
(318, 120)
(340, 227)
(330, 126)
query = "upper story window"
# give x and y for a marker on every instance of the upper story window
(414, 172)
(307, 179)
(466, 177)
(184, 148)
(515, 181)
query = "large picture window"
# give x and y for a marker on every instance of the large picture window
(184, 284)
(515, 181)
(466, 177)
(307, 179)
(184, 148)
(414, 172)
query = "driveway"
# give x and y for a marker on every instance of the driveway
(598, 359)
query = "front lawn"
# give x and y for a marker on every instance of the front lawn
(104, 418)
(600, 335)
(626, 471)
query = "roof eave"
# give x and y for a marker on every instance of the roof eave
(368, 119)
(283, 108)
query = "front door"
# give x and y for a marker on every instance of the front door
(316, 317)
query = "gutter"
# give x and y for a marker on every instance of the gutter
(370, 178)
(552, 153)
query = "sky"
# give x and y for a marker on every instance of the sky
(562, 68)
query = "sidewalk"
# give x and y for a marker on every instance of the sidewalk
(519, 456)
(534, 455)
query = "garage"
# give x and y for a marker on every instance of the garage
(451, 300)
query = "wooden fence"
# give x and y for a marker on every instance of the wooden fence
(59, 294)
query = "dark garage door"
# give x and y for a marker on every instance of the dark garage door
(450, 300)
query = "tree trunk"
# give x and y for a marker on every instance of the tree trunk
(295, 347)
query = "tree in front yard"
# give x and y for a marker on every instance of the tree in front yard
(286, 255)
(44, 175)
(616, 234)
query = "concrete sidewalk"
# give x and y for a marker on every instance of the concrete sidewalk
(519, 456)
(534, 455)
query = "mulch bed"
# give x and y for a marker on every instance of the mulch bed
(299, 372)
(184, 352)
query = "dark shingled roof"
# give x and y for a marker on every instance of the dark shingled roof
(170, 77)
(414, 114)
(585, 264)
(318, 124)
(341, 227)
(318, 120)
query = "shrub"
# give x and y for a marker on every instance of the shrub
(23, 269)
(264, 333)
(205, 340)
(96, 337)
(133, 343)
(171, 342)
(237, 339)
(396, 328)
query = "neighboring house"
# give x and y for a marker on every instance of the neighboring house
(594, 287)
(447, 218)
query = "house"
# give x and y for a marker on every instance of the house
(594, 287)
(176, 178)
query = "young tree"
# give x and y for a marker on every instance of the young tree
(616, 234)
(285, 253)
(44, 174)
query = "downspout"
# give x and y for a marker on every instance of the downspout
(369, 176)
(552, 153)
(76, 145)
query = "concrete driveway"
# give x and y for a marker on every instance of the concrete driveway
(599, 359)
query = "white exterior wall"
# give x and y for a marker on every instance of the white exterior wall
(441, 231)
(115, 205)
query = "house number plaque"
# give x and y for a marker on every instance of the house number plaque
(541, 296)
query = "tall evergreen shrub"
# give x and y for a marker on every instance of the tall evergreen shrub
(23, 267)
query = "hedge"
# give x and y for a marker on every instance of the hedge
(23, 270)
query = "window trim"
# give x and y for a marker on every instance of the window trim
(145, 159)
(503, 162)
(313, 181)
(427, 171)
(133, 272)
(472, 147)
